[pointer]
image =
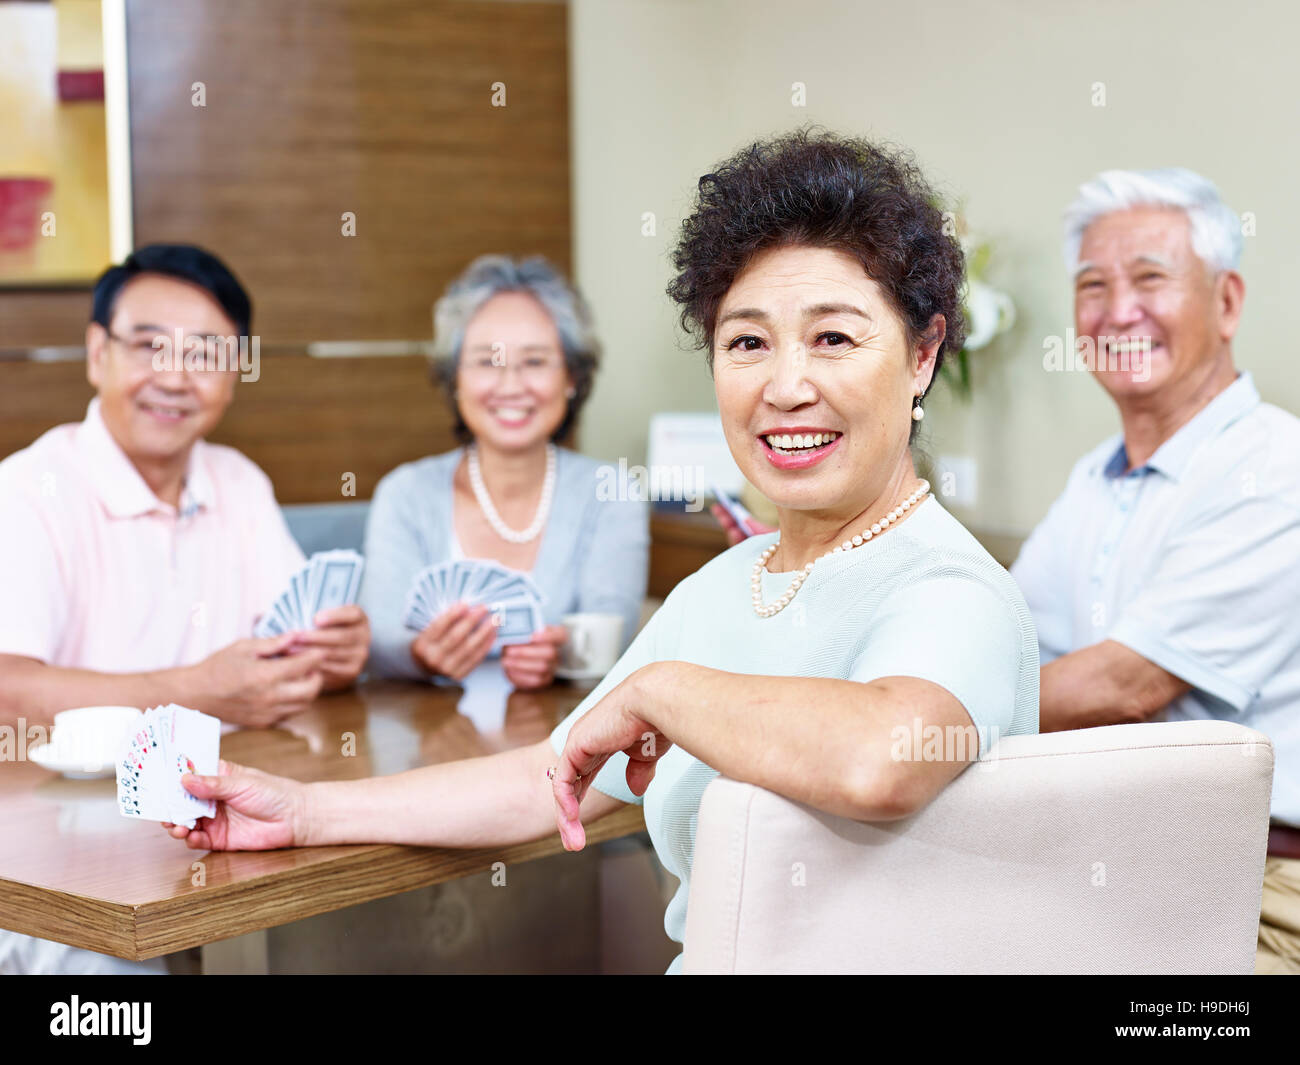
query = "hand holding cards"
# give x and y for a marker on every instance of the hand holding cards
(330, 579)
(169, 742)
(513, 598)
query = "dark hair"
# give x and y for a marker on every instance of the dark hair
(184, 262)
(811, 187)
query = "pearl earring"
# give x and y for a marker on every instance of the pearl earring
(917, 412)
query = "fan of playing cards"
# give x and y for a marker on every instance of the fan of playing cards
(512, 597)
(330, 579)
(169, 742)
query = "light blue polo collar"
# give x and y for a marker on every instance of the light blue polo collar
(1173, 456)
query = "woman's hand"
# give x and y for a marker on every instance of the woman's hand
(255, 811)
(456, 641)
(729, 526)
(531, 665)
(344, 634)
(617, 723)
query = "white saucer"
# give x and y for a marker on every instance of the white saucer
(71, 764)
(85, 742)
(580, 674)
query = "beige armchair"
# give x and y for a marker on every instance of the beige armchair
(1125, 849)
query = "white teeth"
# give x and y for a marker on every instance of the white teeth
(798, 441)
(513, 414)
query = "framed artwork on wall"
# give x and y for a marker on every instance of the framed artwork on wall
(64, 141)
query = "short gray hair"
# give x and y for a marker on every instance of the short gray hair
(490, 275)
(1216, 229)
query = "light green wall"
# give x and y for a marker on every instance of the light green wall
(996, 100)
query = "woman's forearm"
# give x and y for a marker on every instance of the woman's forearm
(495, 801)
(826, 742)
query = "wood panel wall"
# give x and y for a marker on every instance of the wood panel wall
(306, 421)
(380, 108)
(313, 108)
(43, 317)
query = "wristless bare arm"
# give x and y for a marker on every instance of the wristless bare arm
(495, 801)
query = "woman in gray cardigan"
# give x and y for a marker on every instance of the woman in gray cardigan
(514, 347)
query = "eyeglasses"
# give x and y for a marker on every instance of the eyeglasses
(161, 352)
(534, 369)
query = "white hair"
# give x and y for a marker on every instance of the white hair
(489, 275)
(1216, 229)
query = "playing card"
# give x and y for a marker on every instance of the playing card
(284, 613)
(136, 772)
(438, 580)
(268, 625)
(511, 596)
(430, 594)
(426, 594)
(354, 588)
(192, 741)
(507, 586)
(415, 614)
(170, 741)
(451, 577)
(485, 577)
(335, 579)
(330, 579)
(297, 597)
(518, 620)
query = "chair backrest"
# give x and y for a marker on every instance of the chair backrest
(1129, 848)
(325, 526)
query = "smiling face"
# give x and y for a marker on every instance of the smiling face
(1139, 278)
(157, 416)
(512, 380)
(816, 378)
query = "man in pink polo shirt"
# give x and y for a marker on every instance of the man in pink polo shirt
(135, 557)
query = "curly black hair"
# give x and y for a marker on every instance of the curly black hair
(815, 188)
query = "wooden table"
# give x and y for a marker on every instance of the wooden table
(73, 869)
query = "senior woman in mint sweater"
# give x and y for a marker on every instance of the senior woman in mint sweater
(515, 350)
(817, 275)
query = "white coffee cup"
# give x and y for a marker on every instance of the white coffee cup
(593, 646)
(87, 740)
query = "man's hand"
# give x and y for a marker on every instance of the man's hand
(531, 665)
(256, 682)
(344, 634)
(456, 641)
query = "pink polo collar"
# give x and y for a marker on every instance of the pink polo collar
(121, 489)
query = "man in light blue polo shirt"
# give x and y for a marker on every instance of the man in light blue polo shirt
(1165, 581)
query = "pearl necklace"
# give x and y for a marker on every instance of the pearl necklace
(515, 536)
(767, 610)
